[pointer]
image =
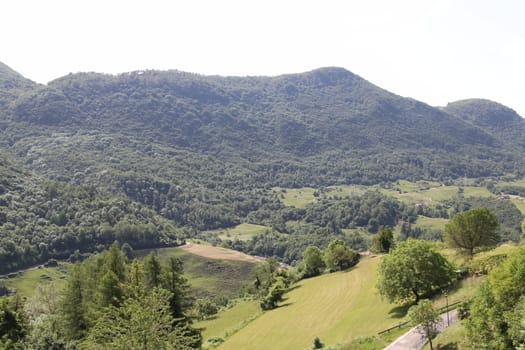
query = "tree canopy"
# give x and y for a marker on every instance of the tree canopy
(411, 270)
(496, 318)
(471, 230)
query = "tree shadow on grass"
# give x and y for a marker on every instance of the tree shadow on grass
(399, 311)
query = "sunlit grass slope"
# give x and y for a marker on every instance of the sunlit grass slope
(25, 283)
(336, 307)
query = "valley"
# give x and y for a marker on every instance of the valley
(203, 194)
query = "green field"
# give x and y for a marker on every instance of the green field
(296, 197)
(337, 307)
(209, 277)
(243, 232)
(27, 280)
(409, 192)
(229, 321)
(519, 203)
(431, 223)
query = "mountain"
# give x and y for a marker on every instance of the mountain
(494, 117)
(320, 127)
(149, 153)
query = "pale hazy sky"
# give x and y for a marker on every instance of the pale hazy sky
(436, 51)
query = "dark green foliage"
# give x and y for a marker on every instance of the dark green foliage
(471, 230)
(411, 270)
(203, 153)
(312, 263)
(174, 281)
(317, 343)
(275, 294)
(146, 305)
(152, 271)
(13, 327)
(383, 241)
(73, 306)
(337, 256)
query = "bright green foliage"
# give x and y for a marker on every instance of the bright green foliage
(139, 324)
(338, 256)
(496, 314)
(470, 230)
(115, 261)
(413, 269)
(426, 318)
(312, 263)
(383, 240)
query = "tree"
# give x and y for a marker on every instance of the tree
(152, 271)
(174, 281)
(275, 295)
(312, 263)
(383, 240)
(496, 313)
(338, 256)
(12, 325)
(115, 261)
(72, 306)
(412, 269)
(425, 318)
(144, 323)
(472, 229)
(110, 292)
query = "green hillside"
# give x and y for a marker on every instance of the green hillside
(337, 308)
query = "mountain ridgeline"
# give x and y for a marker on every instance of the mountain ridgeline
(94, 157)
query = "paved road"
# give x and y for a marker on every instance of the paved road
(413, 340)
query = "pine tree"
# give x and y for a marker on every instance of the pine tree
(72, 306)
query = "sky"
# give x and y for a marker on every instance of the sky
(436, 51)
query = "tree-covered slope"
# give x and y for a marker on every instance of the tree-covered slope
(493, 117)
(320, 127)
(204, 151)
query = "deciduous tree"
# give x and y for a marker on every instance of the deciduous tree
(414, 268)
(312, 263)
(425, 318)
(338, 256)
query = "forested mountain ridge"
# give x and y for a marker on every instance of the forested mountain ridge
(324, 126)
(148, 153)
(494, 117)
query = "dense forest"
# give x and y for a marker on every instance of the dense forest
(151, 158)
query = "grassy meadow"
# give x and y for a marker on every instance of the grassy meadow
(26, 281)
(216, 272)
(336, 307)
(242, 232)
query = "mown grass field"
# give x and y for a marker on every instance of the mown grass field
(229, 321)
(431, 223)
(243, 232)
(222, 272)
(409, 192)
(296, 197)
(25, 283)
(336, 307)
